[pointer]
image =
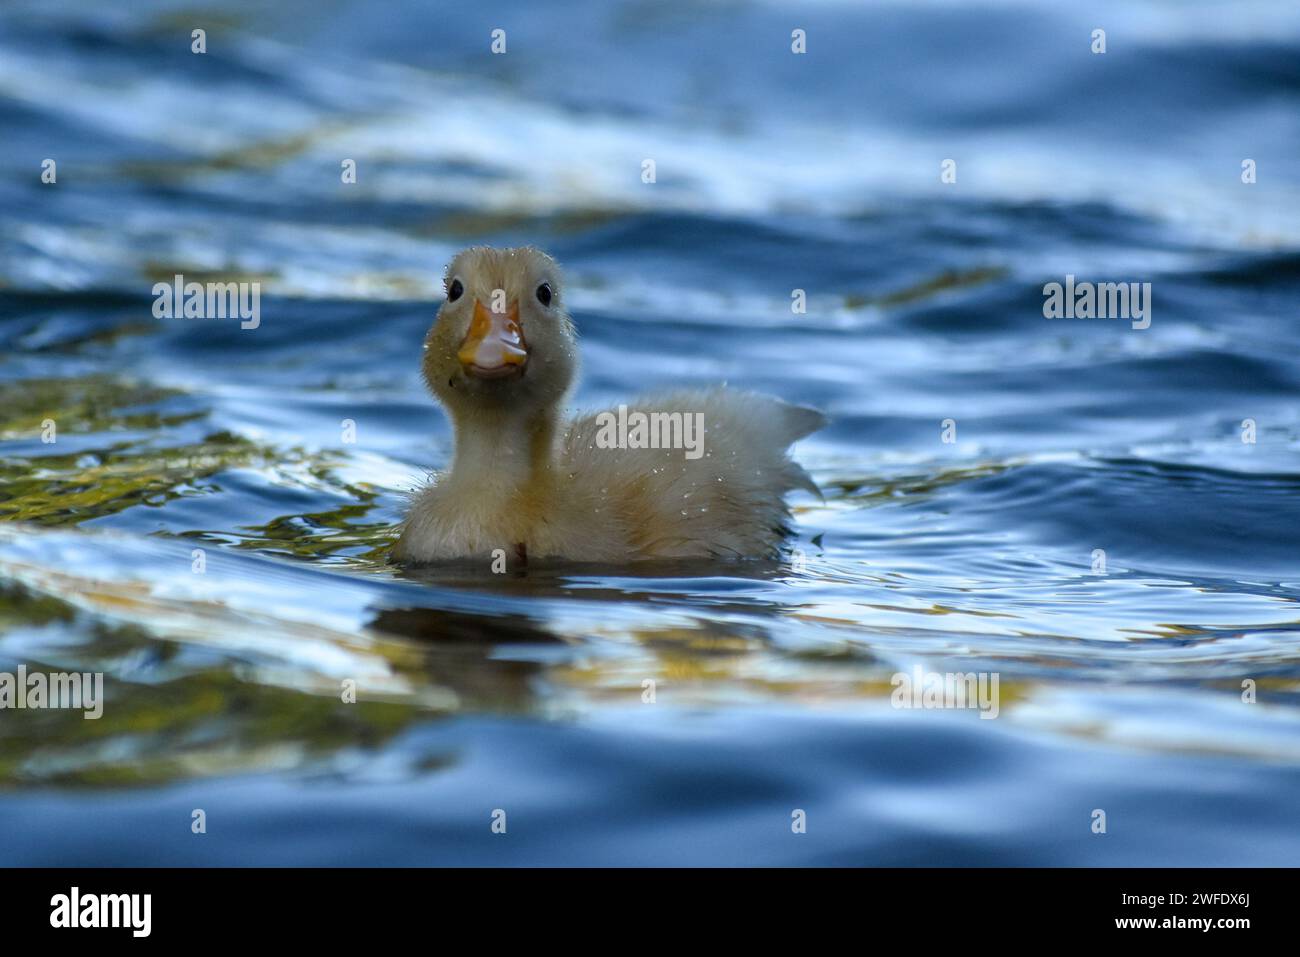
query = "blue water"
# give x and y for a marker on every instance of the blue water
(1121, 688)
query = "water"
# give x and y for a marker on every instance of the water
(1119, 691)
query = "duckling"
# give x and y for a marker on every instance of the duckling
(501, 358)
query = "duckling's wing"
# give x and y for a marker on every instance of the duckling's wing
(728, 498)
(734, 414)
(763, 422)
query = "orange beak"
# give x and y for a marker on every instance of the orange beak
(494, 345)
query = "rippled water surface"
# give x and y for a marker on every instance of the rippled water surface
(1120, 687)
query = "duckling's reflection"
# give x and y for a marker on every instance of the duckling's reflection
(696, 608)
(663, 582)
(461, 652)
(443, 627)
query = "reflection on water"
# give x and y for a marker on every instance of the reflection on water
(182, 512)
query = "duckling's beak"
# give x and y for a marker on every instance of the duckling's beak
(494, 346)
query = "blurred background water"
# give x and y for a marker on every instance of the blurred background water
(1120, 691)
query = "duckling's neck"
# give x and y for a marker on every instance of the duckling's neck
(503, 455)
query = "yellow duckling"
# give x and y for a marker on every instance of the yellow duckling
(691, 474)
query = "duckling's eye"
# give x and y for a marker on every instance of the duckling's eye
(455, 290)
(544, 294)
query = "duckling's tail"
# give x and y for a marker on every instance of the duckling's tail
(799, 478)
(793, 422)
(797, 420)
(768, 422)
(750, 431)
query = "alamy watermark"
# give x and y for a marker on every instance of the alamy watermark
(651, 430)
(930, 689)
(79, 689)
(130, 911)
(1098, 300)
(209, 300)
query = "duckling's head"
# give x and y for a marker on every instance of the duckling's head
(502, 340)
